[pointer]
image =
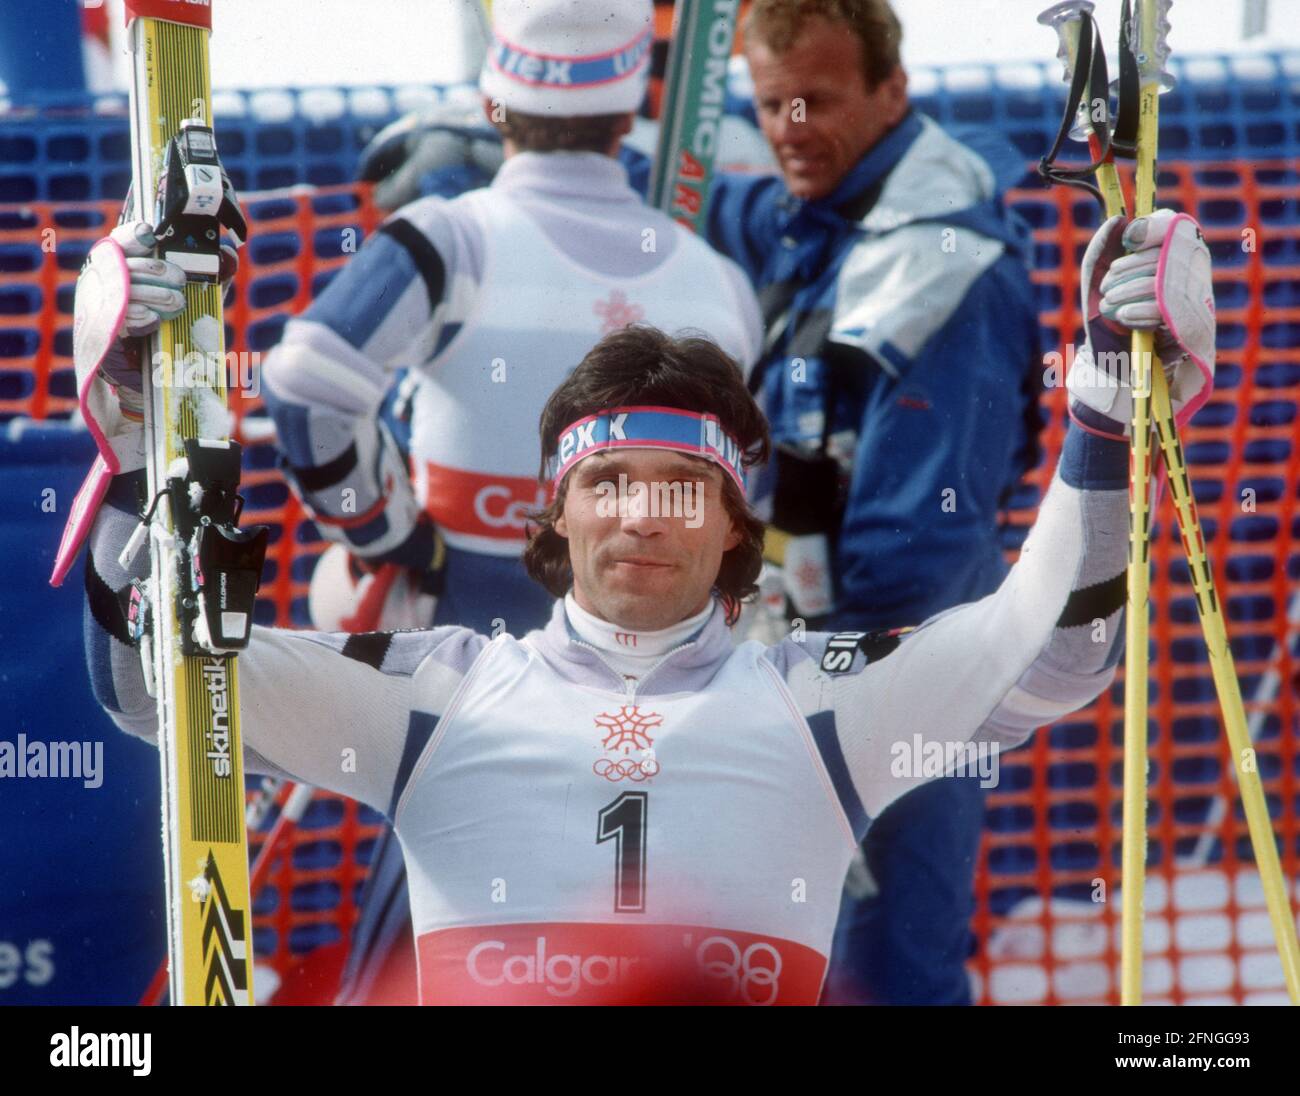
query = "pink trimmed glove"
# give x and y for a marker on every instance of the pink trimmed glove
(1163, 284)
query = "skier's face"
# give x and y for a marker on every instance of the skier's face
(647, 531)
(814, 106)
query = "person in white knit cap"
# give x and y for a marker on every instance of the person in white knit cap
(569, 58)
(489, 299)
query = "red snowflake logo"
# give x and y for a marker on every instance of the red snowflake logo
(628, 729)
(624, 731)
(617, 312)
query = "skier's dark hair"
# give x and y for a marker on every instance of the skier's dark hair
(541, 133)
(777, 23)
(640, 365)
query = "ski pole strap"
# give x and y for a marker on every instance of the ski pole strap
(1124, 137)
(1087, 112)
(697, 435)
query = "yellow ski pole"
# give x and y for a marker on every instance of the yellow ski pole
(1146, 37)
(1151, 29)
(1209, 608)
(1085, 72)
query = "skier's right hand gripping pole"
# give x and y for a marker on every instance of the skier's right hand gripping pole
(1085, 71)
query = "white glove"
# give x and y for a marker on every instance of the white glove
(157, 294)
(157, 286)
(122, 293)
(1164, 285)
(103, 331)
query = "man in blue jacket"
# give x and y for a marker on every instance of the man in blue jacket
(902, 349)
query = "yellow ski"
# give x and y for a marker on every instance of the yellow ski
(204, 571)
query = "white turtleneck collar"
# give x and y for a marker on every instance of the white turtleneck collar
(570, 175)
(631, 653)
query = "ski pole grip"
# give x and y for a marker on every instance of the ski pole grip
(1151, 42)
(1066, 18)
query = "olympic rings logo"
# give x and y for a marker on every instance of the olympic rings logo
(626, 769)
(740, 969)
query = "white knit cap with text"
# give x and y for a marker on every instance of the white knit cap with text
(568, 58)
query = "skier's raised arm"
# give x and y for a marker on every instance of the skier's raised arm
(1048, 640)
(1044, 644)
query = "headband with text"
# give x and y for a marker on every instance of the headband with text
(649, 428)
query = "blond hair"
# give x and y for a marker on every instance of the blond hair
(778, 23)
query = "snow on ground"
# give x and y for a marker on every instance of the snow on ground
(1192, 917)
